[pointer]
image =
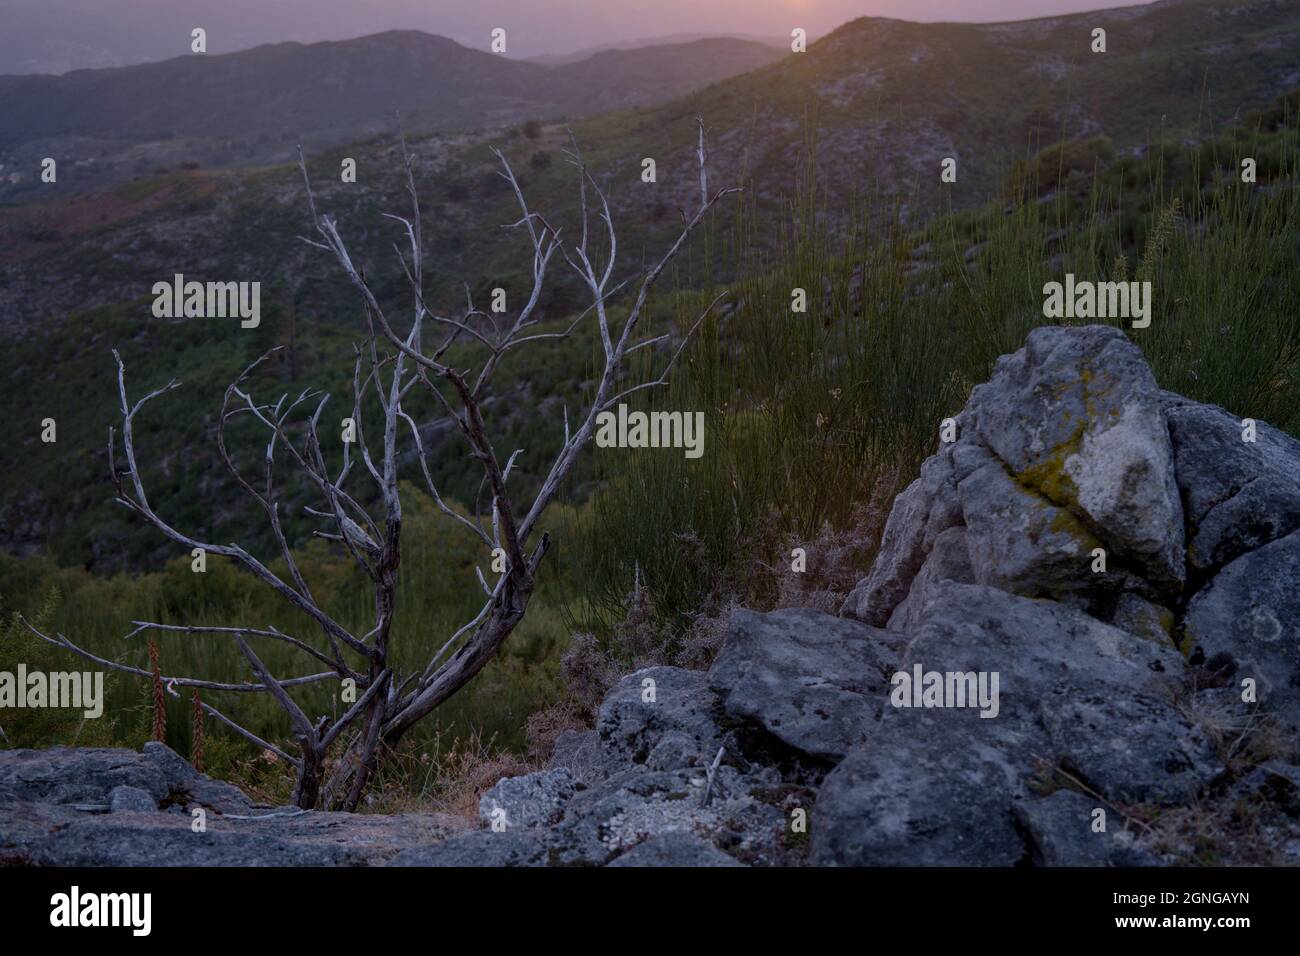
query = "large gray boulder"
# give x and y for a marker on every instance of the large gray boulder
(1131, 748)
(1065, 450)
(1034, 645)
(1076, 415)
(922, 792)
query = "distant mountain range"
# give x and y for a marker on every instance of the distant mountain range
(885, 101)
(557, 59)
(246, 107)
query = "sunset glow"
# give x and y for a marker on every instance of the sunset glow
(93, 33)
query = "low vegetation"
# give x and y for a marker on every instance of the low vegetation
(814, 420)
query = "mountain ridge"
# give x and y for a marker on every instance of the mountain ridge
(252, 107)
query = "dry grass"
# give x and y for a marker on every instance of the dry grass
(422, 779)
(1230, 825)
(447, 775)
(544, 728)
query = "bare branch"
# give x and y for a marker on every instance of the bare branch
(305, 729)
(60, 640)
(241, 730)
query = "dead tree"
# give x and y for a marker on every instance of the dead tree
(395, 358)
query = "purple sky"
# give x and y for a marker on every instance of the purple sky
(57, 35)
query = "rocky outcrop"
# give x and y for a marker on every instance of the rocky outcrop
(1069, 449)
(1081, 621)
(1074, 478)
(108, 778)
(1238, 495)
(1065, 450)
(1142, 524)
(114, 807)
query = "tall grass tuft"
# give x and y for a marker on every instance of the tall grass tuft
(809, 414)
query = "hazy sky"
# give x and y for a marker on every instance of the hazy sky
(57, 35)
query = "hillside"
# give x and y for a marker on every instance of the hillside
(890, 99)
(887, 98)
(884, 100)
(253, 105)
(555, 59)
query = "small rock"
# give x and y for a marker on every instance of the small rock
(532, 800)
(482, 848)
(814, 681)
(124, 799)
(677, 849)
(644, 706)
(1061, 831)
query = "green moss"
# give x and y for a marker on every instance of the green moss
(1063, 522)
(1167, 620)
(795, 840)
(1049, 478)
